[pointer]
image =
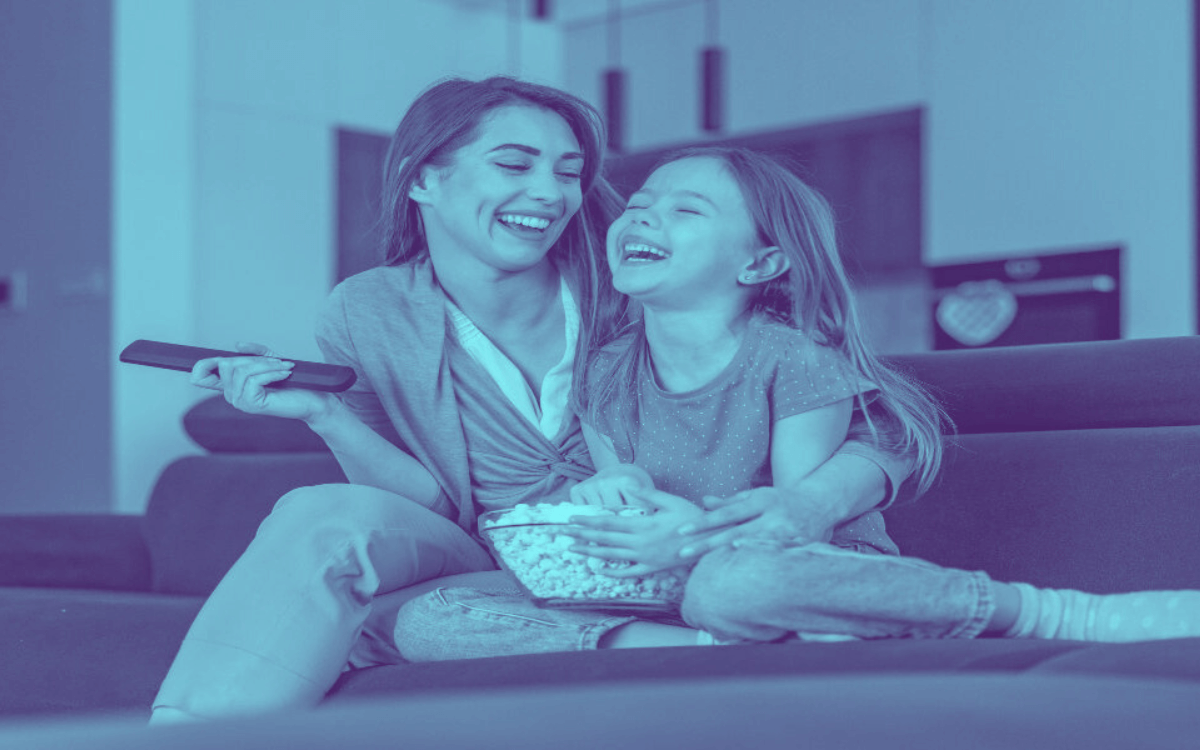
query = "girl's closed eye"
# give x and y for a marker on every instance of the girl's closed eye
(513, 167)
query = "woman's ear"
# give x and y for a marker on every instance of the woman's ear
(424, 187)
(768, 263)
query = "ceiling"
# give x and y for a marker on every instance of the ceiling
(563, 11)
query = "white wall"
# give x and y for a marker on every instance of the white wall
(225, 117)
(153, 234)
(1051, 125)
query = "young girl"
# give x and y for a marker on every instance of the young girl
(746, 370)
(748, 367)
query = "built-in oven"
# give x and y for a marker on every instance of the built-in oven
(1030, 299)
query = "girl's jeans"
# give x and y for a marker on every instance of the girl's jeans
(318, 590)
(763, 591)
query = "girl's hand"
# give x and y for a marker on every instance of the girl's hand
(651, 542)
(760, 513)
(243, 380)
(612, 486)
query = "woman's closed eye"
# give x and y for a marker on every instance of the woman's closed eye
(520, 168)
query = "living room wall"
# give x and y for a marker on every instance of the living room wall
(226, 117)
(1049, 125)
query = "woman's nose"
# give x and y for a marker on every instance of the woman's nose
(544, 186)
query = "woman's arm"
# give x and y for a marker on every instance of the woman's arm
(368, 458)
(365, 456)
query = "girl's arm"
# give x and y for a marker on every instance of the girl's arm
(802, 444)
(813, 488)
(613, 479)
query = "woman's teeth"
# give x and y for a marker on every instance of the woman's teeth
(529, 222)
(641, 252)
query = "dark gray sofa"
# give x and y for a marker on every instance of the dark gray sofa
(1076, 465)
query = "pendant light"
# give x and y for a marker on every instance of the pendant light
(712, 73)
(614, 81)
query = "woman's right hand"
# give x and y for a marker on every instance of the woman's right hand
(243, 381)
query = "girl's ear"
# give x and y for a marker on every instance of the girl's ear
(768, 263)
(424, 187)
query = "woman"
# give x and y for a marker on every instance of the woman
(464, 342)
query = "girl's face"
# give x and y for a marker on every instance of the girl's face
(505, 198)
(685, 236)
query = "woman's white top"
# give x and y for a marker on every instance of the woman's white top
(548, 412)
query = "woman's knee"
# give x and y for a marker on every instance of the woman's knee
(338, 506)
(329, 516)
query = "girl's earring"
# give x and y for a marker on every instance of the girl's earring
(747, 278)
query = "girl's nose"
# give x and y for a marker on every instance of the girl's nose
(646, 216)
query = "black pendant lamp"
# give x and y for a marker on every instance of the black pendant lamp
(712, 74)
(614, 81)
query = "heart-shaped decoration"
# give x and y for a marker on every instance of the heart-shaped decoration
(977, 312)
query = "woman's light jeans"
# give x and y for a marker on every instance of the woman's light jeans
(310, 598)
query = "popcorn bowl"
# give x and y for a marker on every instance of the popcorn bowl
(533, 543)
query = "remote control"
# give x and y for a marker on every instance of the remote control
(313, 376)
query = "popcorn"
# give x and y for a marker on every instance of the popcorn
(530, 541)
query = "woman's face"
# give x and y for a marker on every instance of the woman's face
(505, 198)
(684, 236)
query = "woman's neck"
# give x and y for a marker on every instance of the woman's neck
(495, 299)
(689, 348)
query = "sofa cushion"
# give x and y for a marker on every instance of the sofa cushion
(981, 712)
(1099, 510)
(69, 550)
(204, 510)
(86, 651)
(218, 427)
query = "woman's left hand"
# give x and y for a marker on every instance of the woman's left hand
(760, 513)
(651, 542)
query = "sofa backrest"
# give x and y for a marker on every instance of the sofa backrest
(1075, 465)
(204, 510)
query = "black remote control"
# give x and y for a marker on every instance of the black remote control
(313, 376)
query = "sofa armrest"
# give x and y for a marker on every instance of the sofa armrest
(103, 551)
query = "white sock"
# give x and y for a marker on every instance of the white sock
(1075, 615)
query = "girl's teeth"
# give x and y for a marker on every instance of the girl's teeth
(640, 251)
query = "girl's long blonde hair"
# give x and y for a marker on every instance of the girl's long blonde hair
(814, 296)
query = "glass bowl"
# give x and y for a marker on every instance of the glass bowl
(533, 543)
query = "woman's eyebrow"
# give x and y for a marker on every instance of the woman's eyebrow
(570, 155)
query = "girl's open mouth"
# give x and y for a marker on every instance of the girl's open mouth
(642, 252)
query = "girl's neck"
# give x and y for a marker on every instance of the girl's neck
(691, 347)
